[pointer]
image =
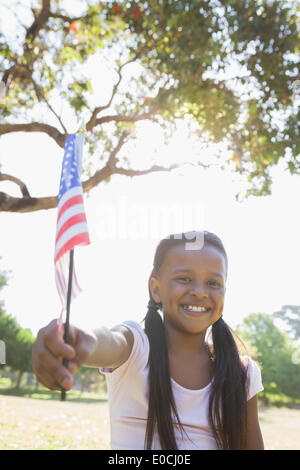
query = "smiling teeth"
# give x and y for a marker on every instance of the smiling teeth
(193, 308)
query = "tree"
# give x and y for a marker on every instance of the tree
(290, 314)
(18, 341)
(3, 282)
(181, 51)
(274, 353)
(90, 377)
(22, 360)
(18, 345)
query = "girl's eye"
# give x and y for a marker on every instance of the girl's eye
(214, 283)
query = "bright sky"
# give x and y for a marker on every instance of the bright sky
(261, 237)
(127, 218)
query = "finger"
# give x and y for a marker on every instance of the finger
(84, 346)
(47, 381)
(55, 344)
(72, 367)
(49, 366)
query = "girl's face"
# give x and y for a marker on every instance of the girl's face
(191, 278)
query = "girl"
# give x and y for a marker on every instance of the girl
(168, 388)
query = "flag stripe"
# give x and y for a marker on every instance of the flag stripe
(77, 209)
(68, 234)
(69, 223)
(68, 194)
(71, 202)
(60, 284)
(79, 239)
(61, 266)
(64, 290)
(76, 283)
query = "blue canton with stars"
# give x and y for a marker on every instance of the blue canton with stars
(69, 174)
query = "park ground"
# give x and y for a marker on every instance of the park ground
(29, 423)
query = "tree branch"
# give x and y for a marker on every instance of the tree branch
(155, 168)
(123, 118)
(106, 172)
(35, 127)
(41, 96)
(31, 204)
(39, 21)
(68, 19)
(13, 12)
(22, 186)
(112, 161)
(93, 120)
(20, 71)
(65, 18)
(25, 204)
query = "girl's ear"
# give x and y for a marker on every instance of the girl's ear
(154, 288)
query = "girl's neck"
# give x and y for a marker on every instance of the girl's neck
(184, 344)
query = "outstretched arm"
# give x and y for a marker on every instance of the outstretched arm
(100, 348)
(113, 347)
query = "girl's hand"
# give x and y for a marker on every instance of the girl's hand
(49, 350)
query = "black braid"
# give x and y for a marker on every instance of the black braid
(152, 305)
(228, 386)
(160, 387)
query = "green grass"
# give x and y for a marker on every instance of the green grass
(35, 423)
(279, 399)
(27, 423)
(43, 393)
(280, 428)
(39, 420)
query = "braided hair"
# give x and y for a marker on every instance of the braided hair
(227, 402)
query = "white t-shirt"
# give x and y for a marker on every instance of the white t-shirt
(128, 401)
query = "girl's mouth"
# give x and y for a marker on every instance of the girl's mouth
(194, 310)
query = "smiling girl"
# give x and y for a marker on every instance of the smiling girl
(168, 387)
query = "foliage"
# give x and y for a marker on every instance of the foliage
(3, 282)
(290, 314)
(18, 344)
(181, 56)
(91, 379)
(275, 352)
(18, 341)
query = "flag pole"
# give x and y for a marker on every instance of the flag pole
(67, 324)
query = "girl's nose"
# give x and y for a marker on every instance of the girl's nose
(198, 290)
(200, 295)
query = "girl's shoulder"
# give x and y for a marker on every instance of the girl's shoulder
(247, 361)
(134, 329)
(254, 379)
(134, 326)
(250, 364)
(140, 339)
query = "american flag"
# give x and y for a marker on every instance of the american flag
(71, 227)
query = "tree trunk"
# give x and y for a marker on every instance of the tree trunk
(19, 379)
(83, 382)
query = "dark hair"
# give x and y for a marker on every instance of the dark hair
(227, 402)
